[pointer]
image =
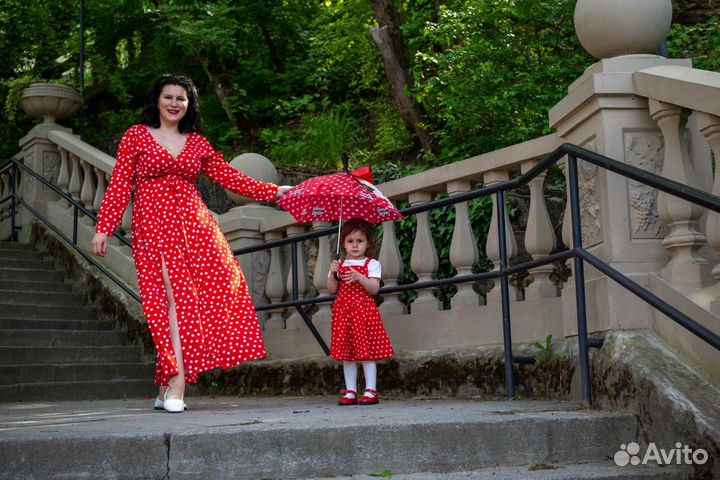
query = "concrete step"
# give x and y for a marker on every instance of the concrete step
(284, 437)
(17, 323)
(28, 286)
(27, 264)
(40, 298)
(31, 274)
(20, 254)
(15, 246)
(98, 390)
(75, 372)
(40, 337)
(56, 355)
(584, 471)
(48, 312)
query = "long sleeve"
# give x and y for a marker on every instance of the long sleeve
(117, 196)
(219, 171)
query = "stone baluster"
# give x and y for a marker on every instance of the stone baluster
(322, 267)
(99, 190)
(686, 266)
(492, 247)
(295, 320)
(87, 192)
(539, 238)
(4, 192)
(567, 214)
(75, 178)
(463, 249)
(709, 127)
(126, 223)
(275, 285)
(63, 180)
(392, 267)
(424, 258)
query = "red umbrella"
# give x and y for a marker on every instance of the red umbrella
(339, 196)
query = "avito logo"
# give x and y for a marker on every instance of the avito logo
(680, 455)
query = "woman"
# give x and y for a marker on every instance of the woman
(194, 295)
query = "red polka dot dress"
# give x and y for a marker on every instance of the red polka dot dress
(216, 317)
(357, 332)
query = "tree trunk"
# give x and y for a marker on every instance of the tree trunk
(220, 80)
(389, 41)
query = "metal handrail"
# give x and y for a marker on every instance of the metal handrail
(15, 165)
(578, 253)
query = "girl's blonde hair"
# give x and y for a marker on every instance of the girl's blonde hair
(364, 227)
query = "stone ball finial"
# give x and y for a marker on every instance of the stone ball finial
(253, 165)
(609, 28)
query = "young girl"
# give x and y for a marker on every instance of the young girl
(358, 334)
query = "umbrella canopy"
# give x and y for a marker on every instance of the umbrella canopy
(336, 197)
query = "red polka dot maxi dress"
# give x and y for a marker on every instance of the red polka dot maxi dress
(216, 317)
(357, 332)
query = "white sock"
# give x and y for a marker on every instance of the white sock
(370, 370)
(350, 371)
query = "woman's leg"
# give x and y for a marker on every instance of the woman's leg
(177, 383)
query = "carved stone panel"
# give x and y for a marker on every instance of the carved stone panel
(589, 199)
(644, 149)
(50, 167)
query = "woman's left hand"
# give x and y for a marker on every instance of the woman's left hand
(282, 190)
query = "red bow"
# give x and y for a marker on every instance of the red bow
(363, 173)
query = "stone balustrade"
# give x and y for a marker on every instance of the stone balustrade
(640, 109)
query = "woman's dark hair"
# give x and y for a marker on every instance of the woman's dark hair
(361, 225)
(191, 122)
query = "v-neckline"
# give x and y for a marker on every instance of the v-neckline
(187, 138)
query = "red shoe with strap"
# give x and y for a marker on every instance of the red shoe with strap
(368, 400)
(348, 400)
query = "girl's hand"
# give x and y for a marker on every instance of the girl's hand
(99, 244)
(352, 275)
(282, 190)
(334, 266)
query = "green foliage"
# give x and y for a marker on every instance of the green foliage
(384, 474)
(699, 42)
(544, 351)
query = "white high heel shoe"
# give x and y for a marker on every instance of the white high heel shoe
(173, 405)
(159, 404)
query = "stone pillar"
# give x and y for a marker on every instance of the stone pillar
(295, 320)
(539, 239)
(463, 249)
(392, 268)
(492, 247)
(241, 227)
(686, 266)
(321, 318)
(709, 127)
(619, 221)
(275, 284)
(424, 259)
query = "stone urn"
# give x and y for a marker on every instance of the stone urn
(50, 101)
(609, 28)
(253, 165)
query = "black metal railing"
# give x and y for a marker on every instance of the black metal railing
(16, 166)
(577, 253)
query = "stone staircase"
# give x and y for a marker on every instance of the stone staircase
(52, 344)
